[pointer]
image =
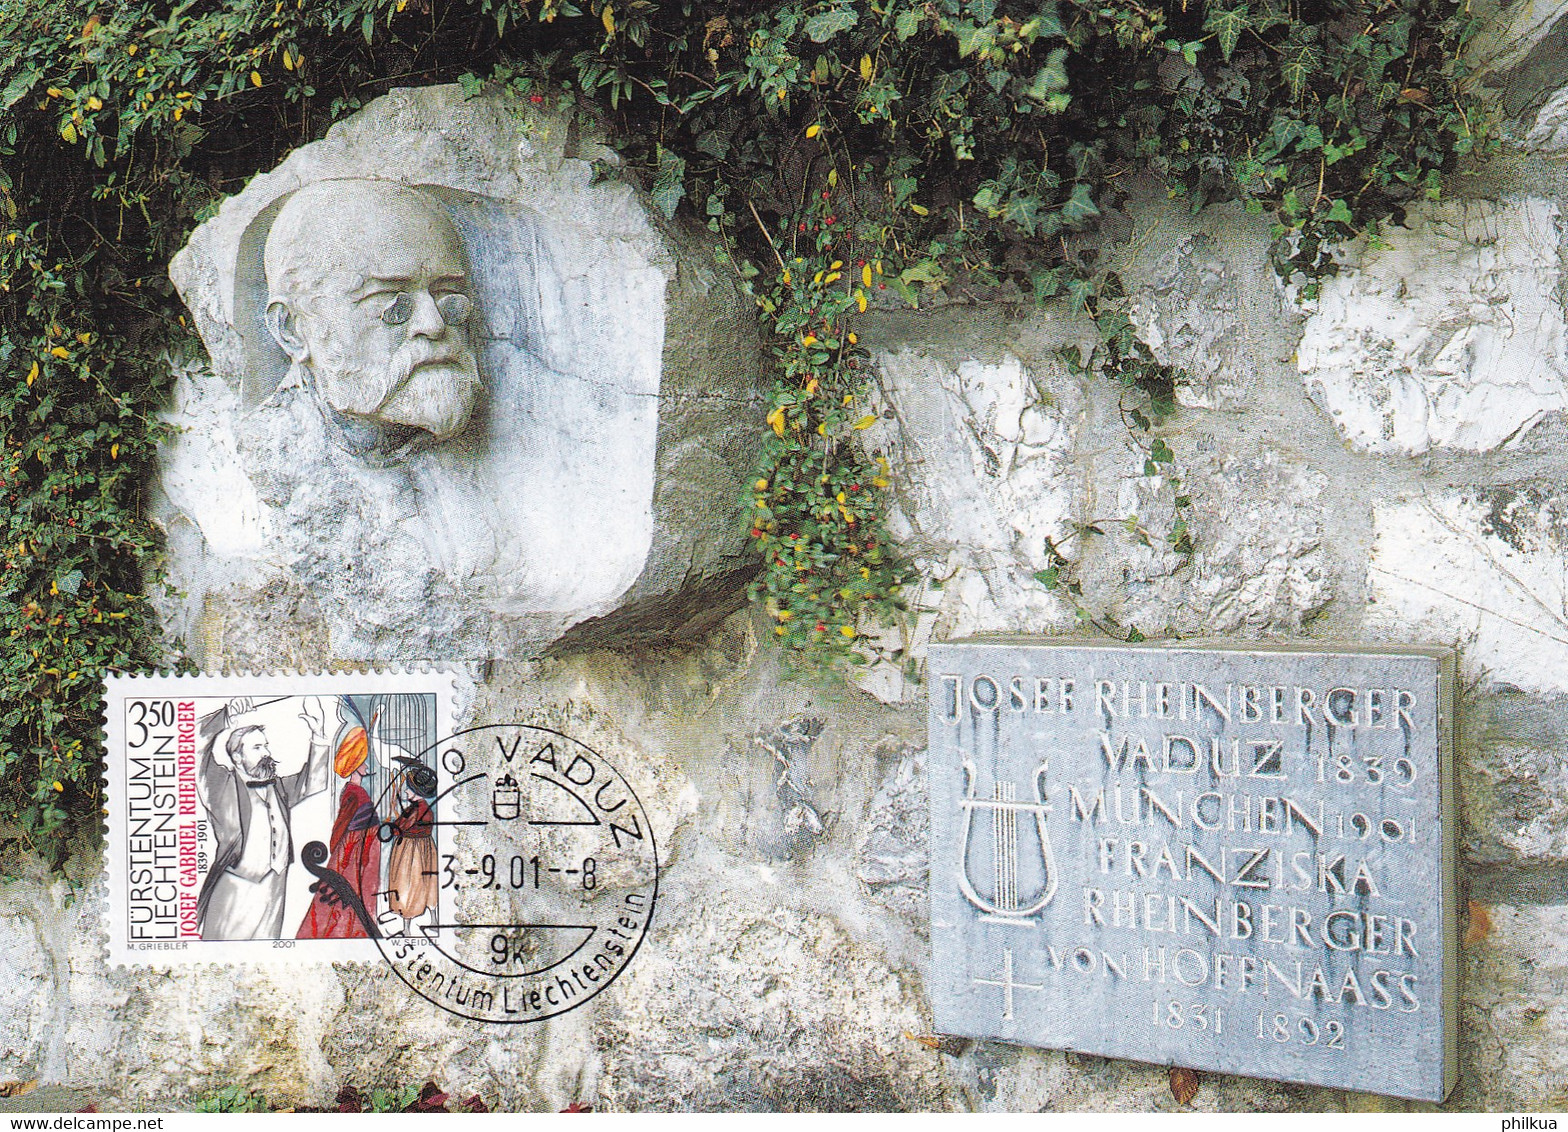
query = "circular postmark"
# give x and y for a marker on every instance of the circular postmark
(540, 877)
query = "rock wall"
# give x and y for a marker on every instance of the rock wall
(1385, 464)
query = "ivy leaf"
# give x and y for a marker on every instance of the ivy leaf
(907, 23)
(1339, 211)
(1080, 207)
(1301, 59)
(669, 185)
(1227, 24)
(825, 25)
(17, 88)
(971, 38)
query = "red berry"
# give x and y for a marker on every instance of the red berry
(802, 225)
(536, 98)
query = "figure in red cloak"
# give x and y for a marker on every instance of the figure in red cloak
(355, 848)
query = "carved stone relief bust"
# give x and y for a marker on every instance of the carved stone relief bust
(462, 396)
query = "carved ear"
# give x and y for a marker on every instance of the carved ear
(280, 322)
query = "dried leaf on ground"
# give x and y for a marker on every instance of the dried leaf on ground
(1480, 923)
(1184, 1084)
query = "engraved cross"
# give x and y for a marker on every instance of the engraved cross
(1007, 984)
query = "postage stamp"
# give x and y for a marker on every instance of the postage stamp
(229, 796)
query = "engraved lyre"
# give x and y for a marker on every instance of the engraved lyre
(1004, 809)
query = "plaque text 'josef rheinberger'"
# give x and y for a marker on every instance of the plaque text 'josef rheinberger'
(1221, 859)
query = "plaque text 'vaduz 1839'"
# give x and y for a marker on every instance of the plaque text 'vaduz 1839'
(1223, 859)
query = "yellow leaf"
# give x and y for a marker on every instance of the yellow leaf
(879, 482)
(853, 338)
(812, 386)
(288, 60)
(784, 614)
(809, 340)
(865, 275)
(834, 277)
(60, 352)
(866, 421)
(114, 451)
(184, 94)
(95, 103)
(131, 49)
(833, 178)
(609, 19)
(776, 419)
(786, 275)
(813, 130)
(847, 630)
(10, 237)
(32, 375)
(762, 485)
(255, 78)
(54, 92)
(860, 300)
(58, 789)
(779, 629)
(919, 210)
(866, 70)
(84, 337)
(835, 265)
(179, 112)
(68, 132)
(842, 498)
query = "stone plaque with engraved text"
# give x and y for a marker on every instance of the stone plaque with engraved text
(1227, 859)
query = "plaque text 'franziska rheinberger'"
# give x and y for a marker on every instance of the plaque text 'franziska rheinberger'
(1222, 859)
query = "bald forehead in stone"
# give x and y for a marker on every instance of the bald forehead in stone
(352, 228)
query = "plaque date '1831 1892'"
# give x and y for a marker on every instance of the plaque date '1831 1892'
(1231, 860)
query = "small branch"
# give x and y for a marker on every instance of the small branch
(766, 235)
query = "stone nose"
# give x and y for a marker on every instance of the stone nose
(426, 320)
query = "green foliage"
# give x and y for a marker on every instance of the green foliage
(971, 145)
(232, 1098)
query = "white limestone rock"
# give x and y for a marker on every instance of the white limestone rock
(1485, 570)
(598, 480)
(1203, 298)
(981, 459)
(1449, 334)
(1549, 131)
(1513, 1011)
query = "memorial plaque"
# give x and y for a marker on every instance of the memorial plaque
(1230, 859)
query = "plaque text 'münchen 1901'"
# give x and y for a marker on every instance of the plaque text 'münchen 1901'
(1223, 859)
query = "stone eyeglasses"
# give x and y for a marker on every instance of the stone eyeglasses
(454, 308)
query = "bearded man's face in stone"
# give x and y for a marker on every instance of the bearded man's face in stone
(369, 293)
